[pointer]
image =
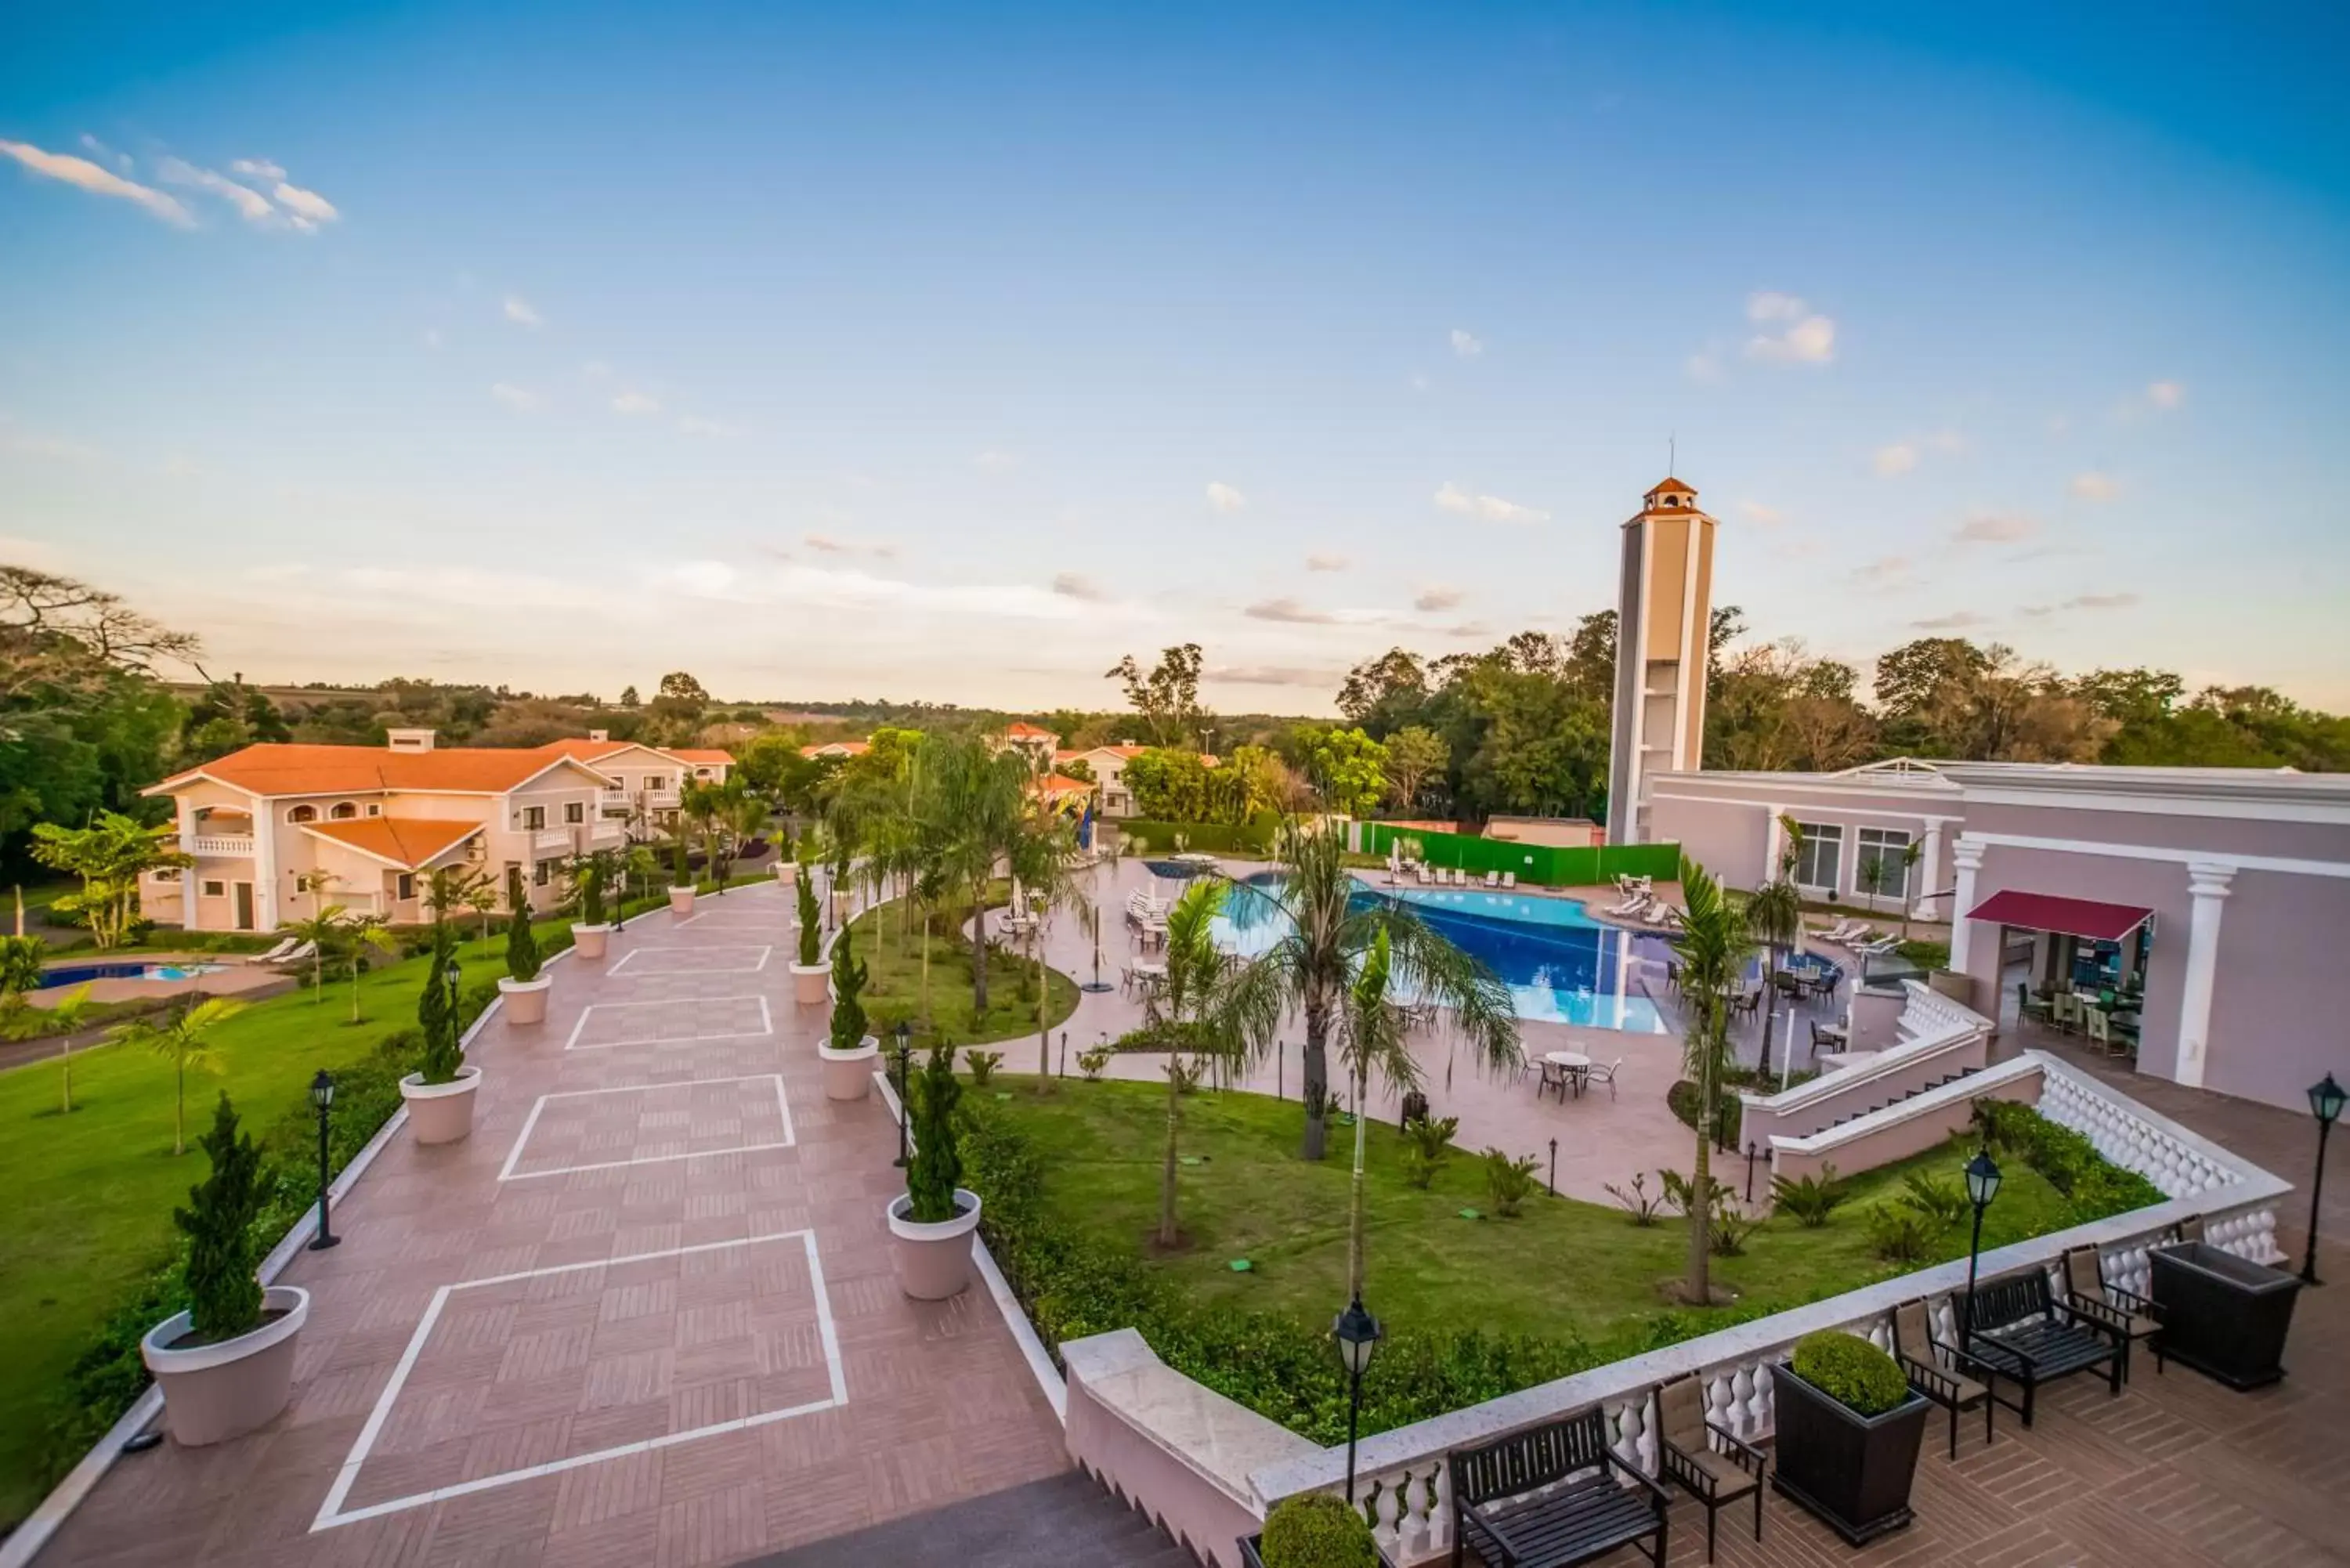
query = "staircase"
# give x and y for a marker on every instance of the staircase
(1920, 1089)
(1066, 1521)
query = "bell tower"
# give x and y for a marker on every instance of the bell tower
(1664, 612)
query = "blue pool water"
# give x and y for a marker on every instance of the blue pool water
(1560, 965)
(77, 973)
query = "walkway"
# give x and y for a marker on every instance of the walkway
(645, 1315)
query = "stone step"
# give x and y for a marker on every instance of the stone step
(1064, 1521)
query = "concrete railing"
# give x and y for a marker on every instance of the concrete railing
(1158, 1455)
(1938, 1039)
(235, 846)
(1905, 1127)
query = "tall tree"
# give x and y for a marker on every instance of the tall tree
(1196, 967)
(1166, 697)
(110, 855)
(1713, 947)
(1415, 753)
(1371, 1041)
(1774, 916)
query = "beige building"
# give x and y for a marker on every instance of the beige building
(1664, 608)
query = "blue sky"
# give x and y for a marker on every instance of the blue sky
(928, 352)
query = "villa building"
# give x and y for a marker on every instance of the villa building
(837, 749)
(278, 831)
(2208, 895)
(1107, 764)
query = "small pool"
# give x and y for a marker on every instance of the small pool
(1560, 965)
(80, 973)
(1181, 870)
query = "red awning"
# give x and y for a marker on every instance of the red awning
(2065, 917)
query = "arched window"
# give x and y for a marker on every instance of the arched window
(344, 811)
(303, 814)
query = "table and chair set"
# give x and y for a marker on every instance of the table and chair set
(2107, 1018)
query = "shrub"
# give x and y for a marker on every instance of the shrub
(436, 1014)
(1508, 1182)
(1812, 1199)
(223, 1295)
(937, 1164)
(2070, 1162)
(1092, 1061)
(847, 985)
(982, 1065)
(1940, 1200)
(1851, 1371)
(1316, 1529)
(1727, 1233)
(1899, 1233)
(1184, 1076)
(811, 937)
(522, 942)
(1728, 1111)
(591, 893)
(1638, 1203)
(1427, 1147)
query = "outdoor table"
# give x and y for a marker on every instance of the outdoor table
(1575, 1064)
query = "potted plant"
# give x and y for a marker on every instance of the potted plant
(522, 985)
(1313, 1530)
(226, 1365)
(809, 974)
(1848, 1428)
(848, 1058)
(681, 875)
(440, 1092)
(589, 932)
(787, 869)
(932, 1220)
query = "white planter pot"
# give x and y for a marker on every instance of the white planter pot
(681, 901)
(587, 942)
(933, 1261)
(787, 872)
(848, 1075)
(440, 1113)
(811, 983)
(215, 1392)
(526, 998)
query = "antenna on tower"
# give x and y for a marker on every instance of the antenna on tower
(1673, 445)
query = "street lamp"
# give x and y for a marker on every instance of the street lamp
(1982, 1186)
(905, 1033)
(2326, 1104)
(322, 1097)
(1358, 1335)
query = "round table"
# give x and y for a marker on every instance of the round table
(1574, 1063)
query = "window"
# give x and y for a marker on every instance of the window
(1822, 858)
(374, 810)
(344, 811)
(303, 814)
(1880, 850)
(575, 811)
(534, 817)
(657, 782)
(406, 887)
(542, 873)
(216, 890)
(168, 873)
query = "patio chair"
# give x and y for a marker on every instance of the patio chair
(1509, 879)
(2029, 1008)
(2061, 1013)
(1553, 1076)
(1922, 1356)
(2101, 1030)
(1596, 1074)
(2088, 1295)
(1493, 878)
(1686, 1455)
(1828, 1037)
(2189, 1229)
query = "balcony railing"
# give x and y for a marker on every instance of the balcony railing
(551, 838)
(239, 846)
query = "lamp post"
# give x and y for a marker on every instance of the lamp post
(322, 1096)
(2326, 1104)
(1358, 1335)
(1982, 1186)
(905, 1033)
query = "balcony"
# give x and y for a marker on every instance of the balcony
(551, 838)
(237, 846)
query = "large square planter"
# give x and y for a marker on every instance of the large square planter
(1852, 1471)
(848, 1075)
(934, 1259)
(440, 1113)
(215, 1392)
(681, 901)
(526, 998)
(2221, 1314)
(1252, 1552)
(589, 941)
(811, 983)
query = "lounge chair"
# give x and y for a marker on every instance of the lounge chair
(1509, 879)
(1876, 948)
(279, 951)
(1669, 917)
(303, 954)
(1842, 932)
(1493, 878)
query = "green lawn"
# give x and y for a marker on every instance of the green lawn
(893, 987)
(90, 1195)
(1562, 1266)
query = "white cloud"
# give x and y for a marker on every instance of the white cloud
(1465, 345)
(251, 205)
(1438, 596)
(1224, 498)
(1704, 367)
(2095, 486)
(832, 544)
(1898, 458)
(2082, 602)
(515, 398)
(121, 160)
(88, 176)
(995, 461)
(1994, 529)
(855, 590)
(1077, 586)
(1949, 440)
(1288, 610)
(1755, 512)
(1885, 571)
(1327, 561)
(825, 542)
(307, 208)
(519, 311)
(2166, 395)
(1810, 341)
(1764, 305)
(257, 169)
(1957, 621)
(1491, 508)
(1273, 675)
(635, 404)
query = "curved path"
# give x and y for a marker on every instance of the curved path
(645, 1315)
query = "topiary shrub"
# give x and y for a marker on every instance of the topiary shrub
(1851, 1371)
(937, 1164)
(1316, 1529)
(811, 939)
(522, 942)
(223, 1294)
(437, 1008)
(847, 985)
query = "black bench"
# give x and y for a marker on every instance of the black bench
(2013, 1329)
(1514, 1502)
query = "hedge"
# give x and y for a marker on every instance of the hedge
(2096, 1187)
(1851, 1371)
(1145, 836)
(1545, 865)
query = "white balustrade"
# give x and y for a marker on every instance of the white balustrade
(234, 845)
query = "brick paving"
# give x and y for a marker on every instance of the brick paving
(644, 1316)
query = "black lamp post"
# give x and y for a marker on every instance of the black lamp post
(322, 1096)
(2326, 1104)
(905, 1033)
(1982, 1186)
(1358, 1335)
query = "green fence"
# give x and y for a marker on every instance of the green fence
(1540, 863)
(1144, 836)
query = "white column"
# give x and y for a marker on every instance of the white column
(1775, 843)
(2208, 886)
(1967, 855)
(1929, 867)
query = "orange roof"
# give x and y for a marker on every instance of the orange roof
(1671, 483)
(1061, 784)
(689, 754)
(277, 770)
(1025, 732)
(837, 748)
(406, 842)
(588, 751)
(1126, 753)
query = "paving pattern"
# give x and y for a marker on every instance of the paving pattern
(644, 1316)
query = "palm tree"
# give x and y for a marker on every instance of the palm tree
(1713, 947)
(1042, 857)
(323, 933)
(183, 1035)
(1909, 857)
(1329, 932)
(365, 931)
(448, 888)
(971, 808)
(1195, 967)
(1372, 1040)
(69, 1012)
(1774, 916)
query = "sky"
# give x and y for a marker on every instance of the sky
(952, 352)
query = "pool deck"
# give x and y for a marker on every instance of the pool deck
(238, 977)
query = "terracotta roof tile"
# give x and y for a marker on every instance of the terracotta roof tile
(279, 770)
(405, 841)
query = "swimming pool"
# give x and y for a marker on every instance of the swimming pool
(1560, 965)
(79, 974)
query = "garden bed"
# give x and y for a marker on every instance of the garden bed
(893, 984)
